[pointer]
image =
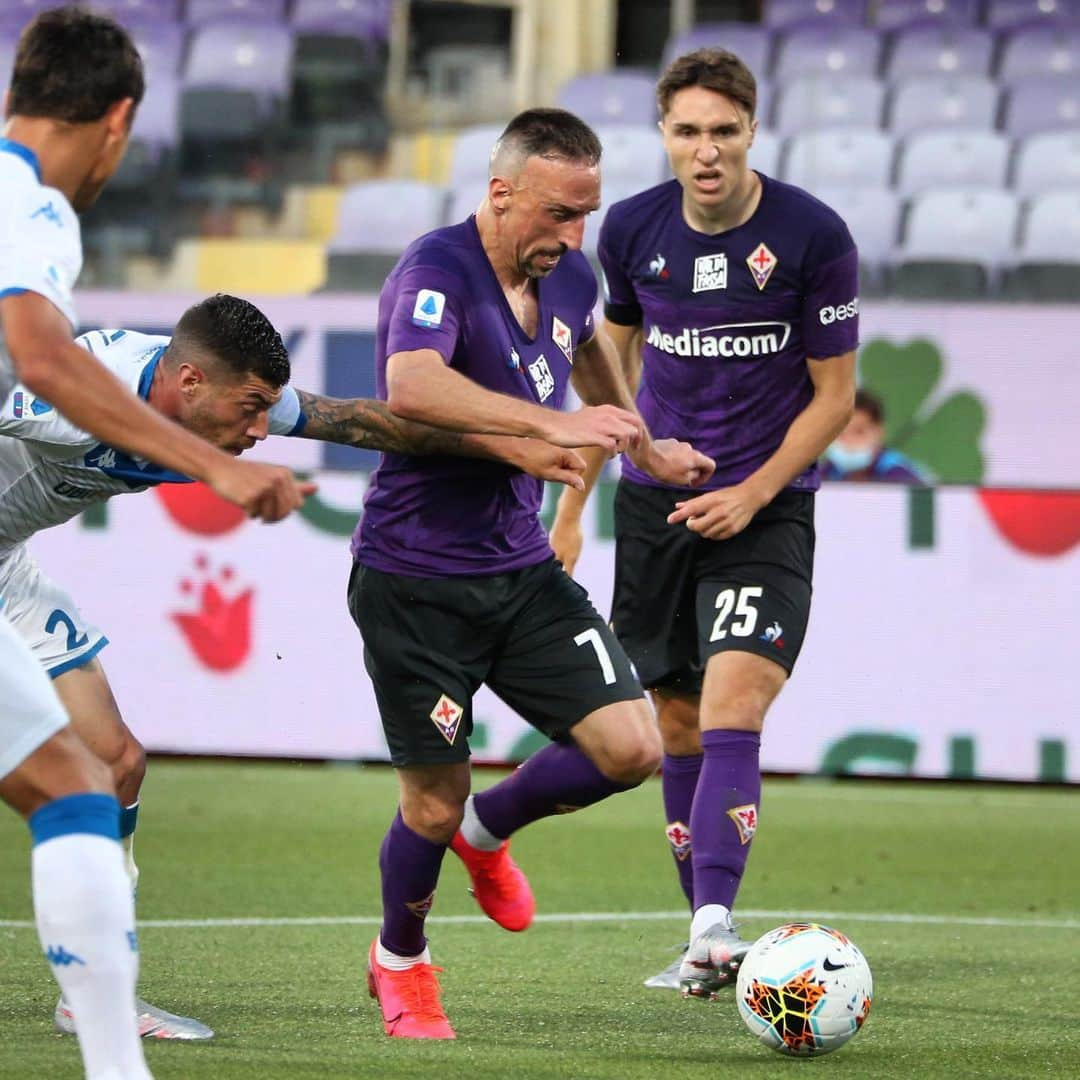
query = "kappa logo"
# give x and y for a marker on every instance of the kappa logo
(762, 263)
(420, 908)
(446, 716)
(710, 273)
(745, 818)
(60, 957)
(428, 309)
(678, 836)
(542, 378)
(560, 334)
(48, 212)
(774, 635)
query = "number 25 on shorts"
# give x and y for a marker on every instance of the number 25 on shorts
(730, 601)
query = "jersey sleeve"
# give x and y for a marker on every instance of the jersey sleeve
(40, 248)
(26, 416)
(285, 416)
(587, 330)
(620, 301)
(428, 311)
(830, 321)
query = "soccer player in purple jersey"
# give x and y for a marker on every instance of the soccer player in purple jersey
(732, 299)
(481, 326)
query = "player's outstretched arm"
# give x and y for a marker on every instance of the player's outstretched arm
(421, 387)
(54, 368)
(370, 425)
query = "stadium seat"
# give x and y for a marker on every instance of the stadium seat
(941, 101)
(841, 157)
(199, 12)
(471, 156)
(828, 50)
(612, 194)
(632, 154)
(900, 14)
(749, 43)
(364, 19)
(1043, 103)
(161, 46)
(7, 60)
(764, 155)
(1047, 162)
(141, 12)
(940, 50)
(463, 202)
(239, 56)
(829, 101)
(1048, 264)
(782, 13)
(1040, 50)
(940, 159)
(873, 216)
(612, 97)
(1005, 14)
(955, 243)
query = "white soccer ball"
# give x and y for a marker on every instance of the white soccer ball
(804, 989)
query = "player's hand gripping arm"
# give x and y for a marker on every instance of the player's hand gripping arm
(421, 387)
(53, 367)
(718, 515)
(370, 425)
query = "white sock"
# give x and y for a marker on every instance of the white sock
(128, 844)
(475, 832)
(86, 923)
(390, 960)
(708, 916)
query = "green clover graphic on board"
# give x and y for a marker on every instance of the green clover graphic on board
(942, 436)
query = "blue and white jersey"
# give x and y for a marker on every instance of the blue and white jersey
(40, 242)
(51, 470)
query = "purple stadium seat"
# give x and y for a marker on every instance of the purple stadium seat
(828, 50)
(632, 154)
(198, 12)
(15, 14)
(1047, 162)
(157, 121)
(1040, 50)
(611, 194)
(386, 216)
(873, 216)
(612, 97)
(898, 14)
(472, 153)
(161, 46)
(764, 155)
(839, 157)
(241, 56)
(1005, 14)
(829, 101)
(749, 43)
(1043, 103)
(1052, 230)
(779, 13)
(943, 159)
(463, 202)
(925, 102)
(940, 50)
(975, 224)
(141, 12)
(368, 20)
(7, 61)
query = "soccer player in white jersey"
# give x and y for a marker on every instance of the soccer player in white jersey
(223, 376)
(76, 83)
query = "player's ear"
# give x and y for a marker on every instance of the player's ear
(499, 193)
(119, 117)
(753, 131)
(189, 378)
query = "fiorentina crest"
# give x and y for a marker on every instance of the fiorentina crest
(745, 818)
(678, 836)
(762, 263)
(420, 908)
(446, 716)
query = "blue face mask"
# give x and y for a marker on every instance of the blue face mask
(849, 460)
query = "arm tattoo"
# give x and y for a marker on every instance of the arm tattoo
(370, 425)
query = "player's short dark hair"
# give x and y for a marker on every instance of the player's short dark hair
(551, 133)
(72, 65)
(234, 332)
(870, 404)
(714, 69)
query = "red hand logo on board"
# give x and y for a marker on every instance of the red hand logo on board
(219, 632)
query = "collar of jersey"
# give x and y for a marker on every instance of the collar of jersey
(147, 376)
(11, 147)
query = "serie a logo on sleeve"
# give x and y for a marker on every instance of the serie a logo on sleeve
(428, 309)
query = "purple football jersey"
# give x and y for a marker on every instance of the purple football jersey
(729, 320)
(446, 516)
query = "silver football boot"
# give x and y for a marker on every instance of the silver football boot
(668, 979)
(153, 1023)
(712, 962)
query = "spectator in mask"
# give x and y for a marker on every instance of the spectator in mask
(859, 451)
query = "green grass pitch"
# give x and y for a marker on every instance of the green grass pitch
(963, 898)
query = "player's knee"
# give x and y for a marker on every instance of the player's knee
(434, 819)
(635, 759)
(742, 712)
(680, 726)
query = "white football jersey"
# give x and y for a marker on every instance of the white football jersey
(51, 470)
(40, 242)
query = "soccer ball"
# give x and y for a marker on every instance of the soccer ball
(804, 989)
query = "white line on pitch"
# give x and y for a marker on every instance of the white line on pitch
(611, 917)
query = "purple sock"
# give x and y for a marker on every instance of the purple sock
(555, 780)
(409, 865)
(725, 814)
(678, 781)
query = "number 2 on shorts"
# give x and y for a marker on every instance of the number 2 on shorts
(726, 600)
(592, 637)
